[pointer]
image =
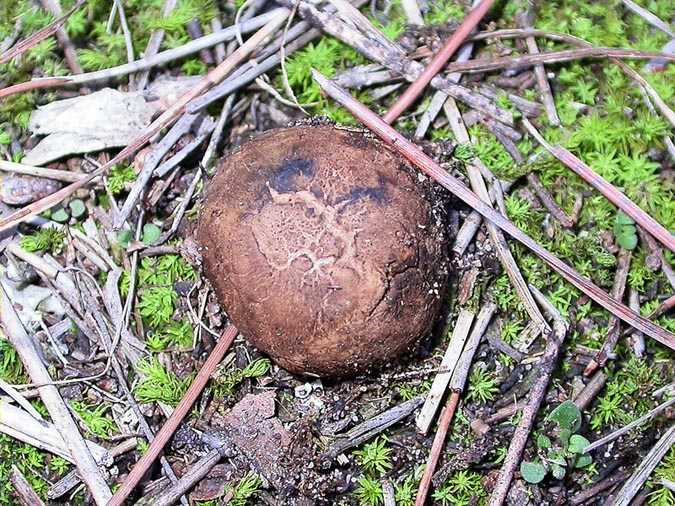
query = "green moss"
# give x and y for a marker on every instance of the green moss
(11, 369)
(119, 176)
(30, 461)
(158, 384)
(94, 419)
(443, 11)
(627, 394)
(461, 488)
(45, 239)
(662, 495)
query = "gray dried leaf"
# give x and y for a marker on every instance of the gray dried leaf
(105, 119)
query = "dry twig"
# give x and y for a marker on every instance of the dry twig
(618, 289)
(448, 363)
(176, 417)
(459, 376)
(57, 408)
(519, 62)
(631, 487)
(545, 367)
(22, 489)
(526, 21)
(606, 188)
(627, 428)
(438, 62)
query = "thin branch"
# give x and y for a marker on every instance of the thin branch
(595, 489)
(627, 428)
(547, 200)
(617, 292)
(610, 192)
(433, 400)
(539, 71)
(438, 62)
(545, 368)
(196, 472)
(636, 339)
(167, 430)
(457, 383)
(631, 487)
(591, 390)
(22, 489)
(650, 18)
(155, 41)
(38, 36)
(412, 12)
(128, 42)
(366, 430)
(66, 44)
(411, 152)
(55, 174)
(518, 62)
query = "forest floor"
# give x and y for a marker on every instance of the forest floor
(103, 293)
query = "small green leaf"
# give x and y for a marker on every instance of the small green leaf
(543, 441)
(623, 219)
(567, 415)
(124, 238)
(564, 436)
(556, 457)
(60, 215)
(578, 443)
(151, 233)
(532, 472)
(77, 208)
(624, 231)
(5, 138)
(557, 471)
(583, 461)
(628, 240)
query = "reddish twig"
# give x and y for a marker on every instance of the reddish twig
(600, 486)
(38, 36)
(433, 170)
(176, 417)
(606, 188)
(438, 62)
(437, 447)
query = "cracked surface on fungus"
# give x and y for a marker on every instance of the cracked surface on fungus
(324, 248)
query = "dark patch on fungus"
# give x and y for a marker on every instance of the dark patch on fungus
(285, 178)
(326, 253)
(377, 193)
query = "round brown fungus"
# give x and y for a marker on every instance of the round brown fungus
(325, 249)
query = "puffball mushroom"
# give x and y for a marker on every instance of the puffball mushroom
(325, 248)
